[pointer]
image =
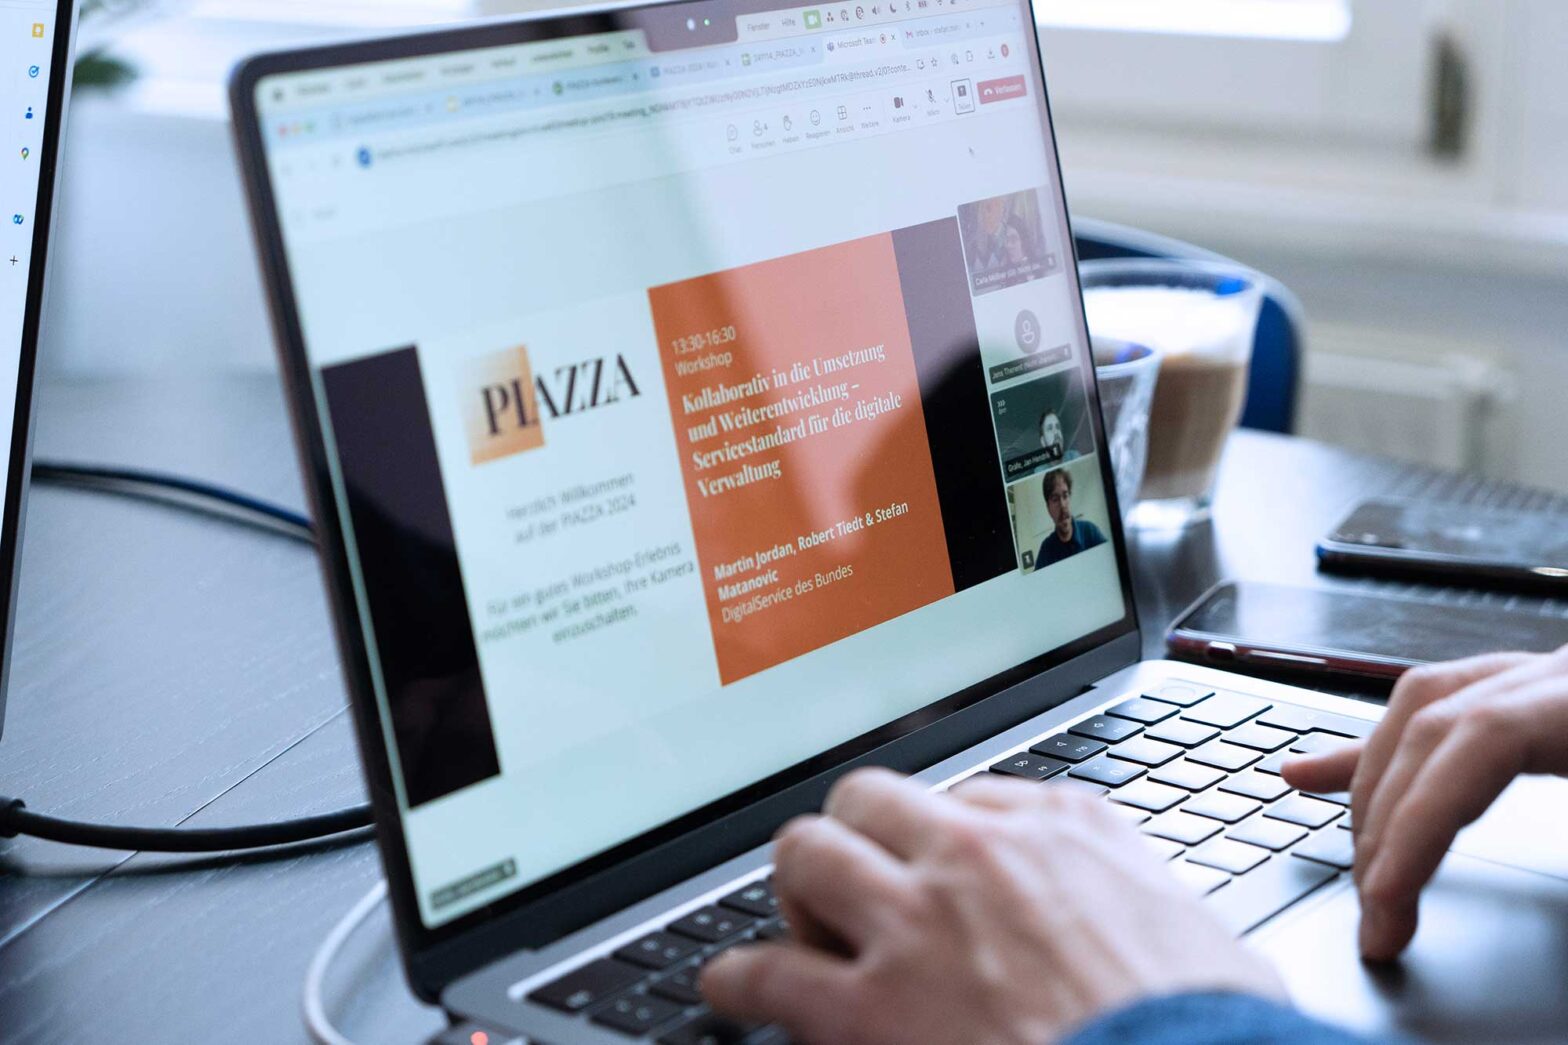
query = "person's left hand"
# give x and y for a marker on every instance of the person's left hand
(1001, 913)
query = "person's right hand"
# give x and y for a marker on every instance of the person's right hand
(1454, 736)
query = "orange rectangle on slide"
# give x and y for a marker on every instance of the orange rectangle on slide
(797, 413)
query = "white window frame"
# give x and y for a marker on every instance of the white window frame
(1279, 75)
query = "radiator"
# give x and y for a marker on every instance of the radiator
(1429, 401)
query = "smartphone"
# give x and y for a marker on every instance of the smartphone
(1347, 634)
(1451, 544)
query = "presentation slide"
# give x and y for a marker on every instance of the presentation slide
(796, 403)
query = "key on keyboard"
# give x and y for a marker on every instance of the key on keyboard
(1146, 711)
(1103, 727)
(1334, 848)
(1270, 834)
(1219, 806)
(657, 950)
(1225, 710)
(1068, 748)
(711, 924)
(1305, 720)
(1177, 731)
(1259, 738)
(709, 1028)
(1308, 812)
(1103, 769)
(1187, 775)
(1144, 794)
(1224, 756)
(1235, 857)
(756, 898)
(1181, 694)
(1182, 827)
(588, 985)
(1201, 880)
(1318, 743)
(637, 1014)
(1146, 752)
(680, 986)
(1256, 785)
(1029, 766)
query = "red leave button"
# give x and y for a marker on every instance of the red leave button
(999, 90)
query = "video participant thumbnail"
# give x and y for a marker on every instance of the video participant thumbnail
(1004, 242)
(1042, 423)
(1060, 514)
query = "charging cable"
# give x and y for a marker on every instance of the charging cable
(17, 819)
(322, 1032)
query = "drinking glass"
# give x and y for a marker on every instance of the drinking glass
(1127, 374)
(1200, 317)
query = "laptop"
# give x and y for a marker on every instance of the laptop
(35, 83)
(668, 381)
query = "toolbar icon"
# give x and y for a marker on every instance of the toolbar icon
(813, 19)
(26, 152)
(32, 72)
(29, 114)
(38, 30)
(16, 219)
(963, 96)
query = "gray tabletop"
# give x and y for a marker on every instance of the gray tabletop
(170, 668)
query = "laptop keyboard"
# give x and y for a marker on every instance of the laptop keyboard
(649, 986)
(1197, 771)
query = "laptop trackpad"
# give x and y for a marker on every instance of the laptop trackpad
(1490, 962)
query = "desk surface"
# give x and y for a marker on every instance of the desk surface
(174, 669)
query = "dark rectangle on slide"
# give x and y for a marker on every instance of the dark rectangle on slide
(956, 401)
(408, 558)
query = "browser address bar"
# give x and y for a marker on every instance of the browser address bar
(616, 116)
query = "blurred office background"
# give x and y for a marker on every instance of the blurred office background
(1402, 165)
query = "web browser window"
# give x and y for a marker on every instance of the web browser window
(693, 410)
(27, 36)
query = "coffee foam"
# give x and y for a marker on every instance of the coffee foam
(1175, 321)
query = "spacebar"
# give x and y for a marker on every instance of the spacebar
(1252, 899)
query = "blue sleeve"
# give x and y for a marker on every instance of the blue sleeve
(1210, 1019)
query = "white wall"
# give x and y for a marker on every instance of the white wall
(1375, 234)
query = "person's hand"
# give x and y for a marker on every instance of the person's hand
(1454, 736)
(1003, 912)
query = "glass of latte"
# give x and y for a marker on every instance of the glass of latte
(1201, 318)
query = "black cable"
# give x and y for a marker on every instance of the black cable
(16, 819)
(145, 482)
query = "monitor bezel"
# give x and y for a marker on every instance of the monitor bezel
(667, 854)
(13, 515)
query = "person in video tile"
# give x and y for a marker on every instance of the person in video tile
(998, 242)
(1052, 439)
(1071, 535)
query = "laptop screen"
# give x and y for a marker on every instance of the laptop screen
(700, 395)
(35, 40)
